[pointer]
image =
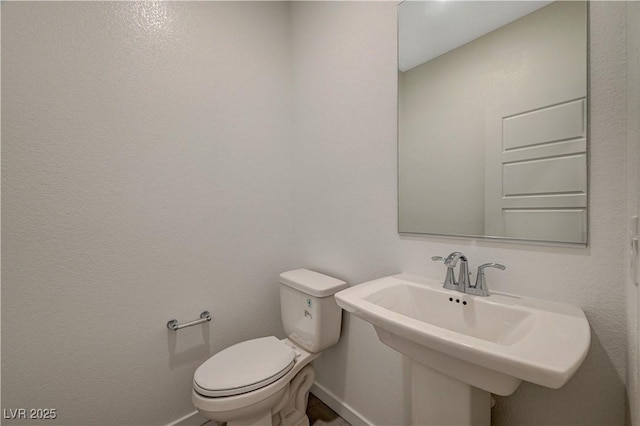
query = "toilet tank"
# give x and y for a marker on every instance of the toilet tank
(310, 315)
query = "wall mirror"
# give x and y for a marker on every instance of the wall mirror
(492, 119)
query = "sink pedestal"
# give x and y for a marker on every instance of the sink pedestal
(437, 399)
(441, 390)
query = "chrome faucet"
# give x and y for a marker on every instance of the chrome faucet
(463, 284)
(451, 261)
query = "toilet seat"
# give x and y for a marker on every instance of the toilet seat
(244, 367)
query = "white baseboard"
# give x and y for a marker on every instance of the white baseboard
(339, 406)
(191, 419)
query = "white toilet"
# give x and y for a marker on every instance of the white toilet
(266, 381)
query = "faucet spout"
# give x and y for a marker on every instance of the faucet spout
(452, 259)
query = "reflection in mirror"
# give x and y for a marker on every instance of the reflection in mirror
(492, 122)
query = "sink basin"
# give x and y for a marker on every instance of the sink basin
(492, 343)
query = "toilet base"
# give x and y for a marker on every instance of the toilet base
(265, 420)
(254, 414)
(293, 409)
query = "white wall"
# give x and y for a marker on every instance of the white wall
(146, 176)
(345, 204)
(633, 191)
(345, 190)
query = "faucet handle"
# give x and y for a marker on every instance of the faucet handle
(480, 288)
(449, 280)
(491, 265)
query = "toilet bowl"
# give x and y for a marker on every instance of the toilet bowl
(259, 406)
(266, 381)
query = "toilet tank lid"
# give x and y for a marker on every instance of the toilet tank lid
(312, 283)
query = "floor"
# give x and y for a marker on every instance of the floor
(321, 415)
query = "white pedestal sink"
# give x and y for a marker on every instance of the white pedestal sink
(464, 347)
